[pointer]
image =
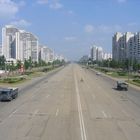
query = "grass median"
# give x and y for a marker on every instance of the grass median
(133, 78)
(27, 75)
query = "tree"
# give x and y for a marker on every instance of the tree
(26, 64)
(18, 65)
(2, 62)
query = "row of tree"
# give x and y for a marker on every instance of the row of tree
(28, 64)
(125, 65)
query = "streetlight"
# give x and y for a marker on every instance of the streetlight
(123, 49)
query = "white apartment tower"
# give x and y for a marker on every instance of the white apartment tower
(27, 46)
(134, 50)
(9, 41)
(44, 53)
(115, 45)
(19, 44)
(96, 53)
(93, 53)
(99, 54)
(126, 46)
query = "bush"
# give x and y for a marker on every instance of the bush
(12, 79)
(137, 77)
(136, 80)
(120, 73)
(28, 72)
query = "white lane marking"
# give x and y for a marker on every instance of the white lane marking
(125, 113)
(35, 112)
(93, 95)
(57, 111)
(81, 120)
(104, 114)
(47, 96)
(12, 113)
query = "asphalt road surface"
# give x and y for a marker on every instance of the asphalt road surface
(72, 104)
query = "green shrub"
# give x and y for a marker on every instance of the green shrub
(120, 73)
(12, 79)
(136, 80)
(28, 72)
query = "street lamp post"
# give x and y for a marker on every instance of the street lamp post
(128, 70)
(6, 68)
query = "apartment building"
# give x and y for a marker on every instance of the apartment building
(96, 53)
(107, 56)
(44, 53)
(26, 46)
(93, 53)
(19, 44)
(9, 41)
(126, 46)
(134, 47)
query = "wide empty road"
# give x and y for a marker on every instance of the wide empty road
(73, 104)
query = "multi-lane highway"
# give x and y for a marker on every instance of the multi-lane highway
(72, 104)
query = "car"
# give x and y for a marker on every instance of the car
(98, 73)
(121, 85)
(8, 94)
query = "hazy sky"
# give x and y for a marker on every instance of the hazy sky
(70, 27)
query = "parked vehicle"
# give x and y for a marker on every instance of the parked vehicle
(8, 94)
(122, 85)
(98, 73)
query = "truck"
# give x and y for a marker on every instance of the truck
(121, 85)
(8, 94)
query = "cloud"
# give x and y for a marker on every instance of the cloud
(132, 24)
(108, 29)
(42, 1)
(70, 38)
(122, 1)
(21, 23)
(103, 28)
(53, 4)
(9, 8)
(89, 28)
(56, 5)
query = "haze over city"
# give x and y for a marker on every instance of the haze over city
(71, 27)
(69, 70)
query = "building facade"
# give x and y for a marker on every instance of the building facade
(26, 46)
(99, 54)
(9, 41)
(93, 53)
(134, 50)
(46, 54)
(126, 46)
(19, 44)
(96, 53)
(22, 45)
(107, 56)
